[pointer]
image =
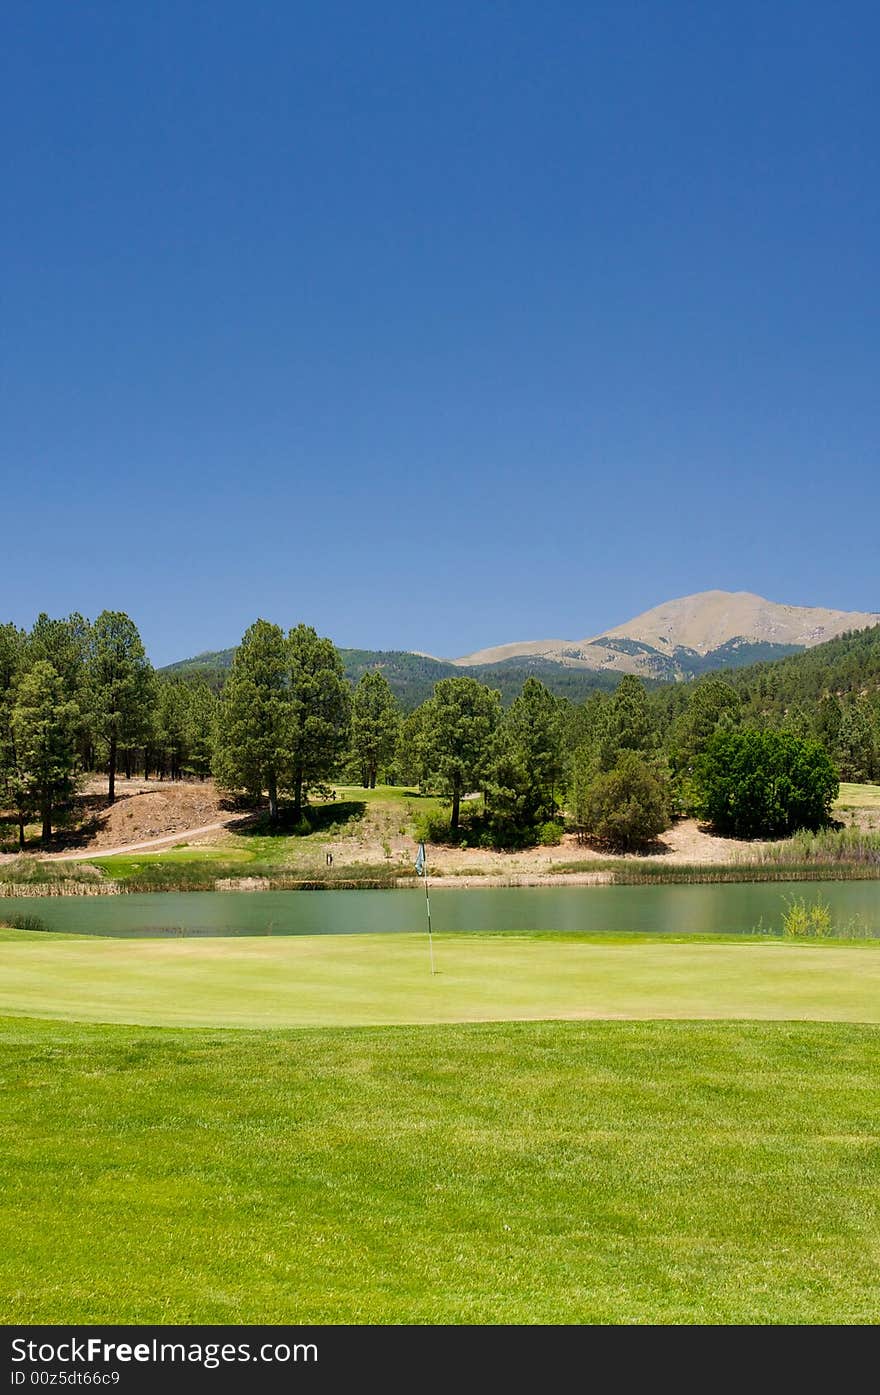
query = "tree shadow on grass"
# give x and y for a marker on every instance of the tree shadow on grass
(315, 818)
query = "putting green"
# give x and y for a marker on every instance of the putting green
(360, 980)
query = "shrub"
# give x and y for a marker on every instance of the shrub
(627, 807)
(801, 920)
(550, 834)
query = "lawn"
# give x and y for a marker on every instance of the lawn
(858, 796)
(356, 980)
(619, 1172)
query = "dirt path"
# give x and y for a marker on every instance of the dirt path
(182, 837)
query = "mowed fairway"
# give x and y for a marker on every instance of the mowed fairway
(462, 1170)
(513, 1172)
(349, 980)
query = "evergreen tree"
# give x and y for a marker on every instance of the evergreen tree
(527, 767)
(412, 748)
(459, 722)
(320, 707)
(201, 721)
(375, 726)
(43, 730)
(856, 749)
(624, 808)
(119, 678)
(11, 648)
(255, 718)
(624, 724)
(171, 726)
(65, 645)
(712, 703)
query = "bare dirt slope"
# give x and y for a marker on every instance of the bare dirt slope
(686, 842)
(145, 810)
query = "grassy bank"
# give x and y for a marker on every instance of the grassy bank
(638, 872)
(501, 1173)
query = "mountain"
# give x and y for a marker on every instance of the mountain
(411, 677)
(688, 636)
(676, 640)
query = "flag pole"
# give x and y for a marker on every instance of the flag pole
(428, 909)
(422, 869)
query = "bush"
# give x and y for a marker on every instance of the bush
(764, 784)
(626, 808)
(550, 834)
(799, 919)
(433, 827)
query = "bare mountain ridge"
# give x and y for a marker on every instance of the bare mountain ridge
(689, 635)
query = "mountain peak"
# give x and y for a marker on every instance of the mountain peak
(677, 637)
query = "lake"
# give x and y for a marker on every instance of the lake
(701, 909)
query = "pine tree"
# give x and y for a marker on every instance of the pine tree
(375, 726)
(321, 709)
(43, 730)
(459, 722)
(119, 678)
(255, 717)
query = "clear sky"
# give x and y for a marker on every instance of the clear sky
(436, 326)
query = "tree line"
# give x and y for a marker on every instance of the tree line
(756, 752)
(79, 696)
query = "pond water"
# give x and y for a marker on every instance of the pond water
(737, 908)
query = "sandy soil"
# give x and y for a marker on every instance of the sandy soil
(147, 813)
(686, 842)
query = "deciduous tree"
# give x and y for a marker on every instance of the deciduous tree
(764, 784)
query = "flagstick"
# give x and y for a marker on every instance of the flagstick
(428, 909)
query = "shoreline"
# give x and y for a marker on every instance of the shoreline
(675, 874)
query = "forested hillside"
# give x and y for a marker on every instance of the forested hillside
(286, 714)
(411, 677)
(846, 667)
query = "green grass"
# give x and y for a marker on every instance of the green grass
(505, 1173)
(199, 869)
(349, 980)
(858, 796)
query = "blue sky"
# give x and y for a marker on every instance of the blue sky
(436, 326)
